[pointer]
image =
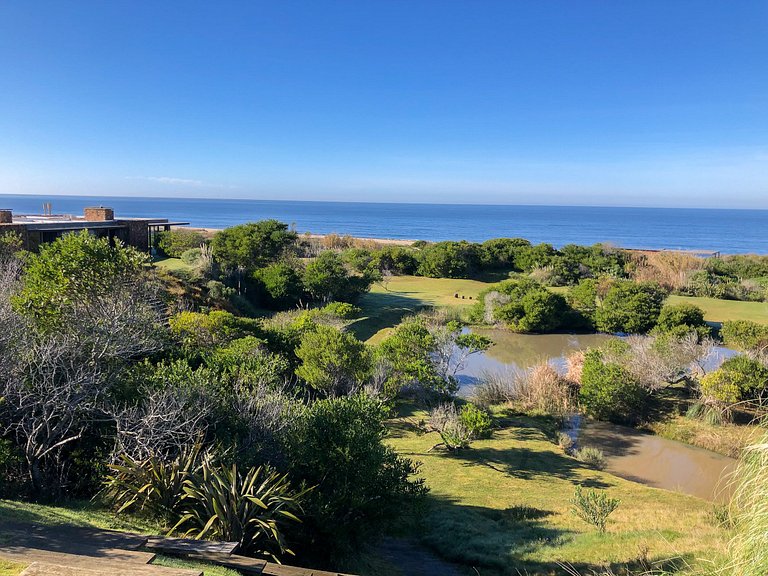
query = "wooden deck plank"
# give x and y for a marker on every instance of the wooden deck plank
(107, 565)
(272, 569)
(243, 564)
(46, 569)
(187, 545)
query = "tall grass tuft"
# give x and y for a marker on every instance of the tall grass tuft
(748, 550)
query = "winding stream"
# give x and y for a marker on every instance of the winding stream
(630, 453)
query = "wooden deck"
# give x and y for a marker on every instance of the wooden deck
(76, 551)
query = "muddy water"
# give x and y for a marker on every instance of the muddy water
(659, 462)
(521, 351)
(630, 454)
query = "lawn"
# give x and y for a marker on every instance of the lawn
(716, 310)
(10, 568)
(386, 305)
(171, 264)
(502, 507)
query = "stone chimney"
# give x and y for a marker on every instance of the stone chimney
(98, 214)
(6, 216)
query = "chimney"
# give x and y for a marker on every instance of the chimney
(98, 214)
(6, 216)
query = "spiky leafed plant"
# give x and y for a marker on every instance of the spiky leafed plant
(222, 503)
(153, 485)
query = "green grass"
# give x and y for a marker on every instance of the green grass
(721, 310)
(207, 568)
(384, 308)
(503, 507)
(10, 568)
(171, 264)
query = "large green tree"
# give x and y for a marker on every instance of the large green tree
(253, 245)
(76, 269)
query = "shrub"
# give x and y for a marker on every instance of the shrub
(221, 503)
(253, 245)
(362, 485)
(445, 419)
(608, 391)
(476, 420)
(682, 318)
(279, 286)
(219, 291)
(153, 485)
(593, 507)
(503, 253)
(343, 310)
(591, 457)
(326, 279)
(745, 335)
(449, 260)
(737, 378)
(565, 441)
(332, 362)
(395, 259)
(191, 257)
(174, 243)
(629, 307)
(522, 304)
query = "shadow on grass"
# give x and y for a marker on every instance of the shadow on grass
(527, 464)
(508, 541)
(383, 310)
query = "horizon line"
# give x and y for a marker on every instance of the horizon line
(677, 207)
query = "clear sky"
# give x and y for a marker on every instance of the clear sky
(635, 102)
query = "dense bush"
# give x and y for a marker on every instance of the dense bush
(522, 304)
(326, 279)
(629, 307)
(332, 362)
(449, 260)
(253, 245)
(476, 420)
(343, 310)
(396, 260)
(175, 242)
(681, 319)
(278, 286)
(609, 392)
(745, 335)
(738, 378)
(361, 484)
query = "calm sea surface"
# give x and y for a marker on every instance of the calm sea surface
(729, 231)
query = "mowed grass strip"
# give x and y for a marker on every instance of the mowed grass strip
(503, 507)
(716, 310)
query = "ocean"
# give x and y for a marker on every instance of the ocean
(727, 231)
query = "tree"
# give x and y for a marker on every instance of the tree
(503, 253)
(75, 269)
(326, 279)
(608, 390)
(361, 484)
(682, 318)
(449, 260)
(630, 307)
(523, 305)
(332, 362)
(279, 285)
(253, 245)
(745, 335)
(174, 243)
(738, 378)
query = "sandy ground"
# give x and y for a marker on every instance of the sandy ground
(208, 232)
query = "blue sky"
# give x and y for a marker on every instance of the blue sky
(638, 103)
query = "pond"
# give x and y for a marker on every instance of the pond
(522, 351)
(659, 462)
(629, 453)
